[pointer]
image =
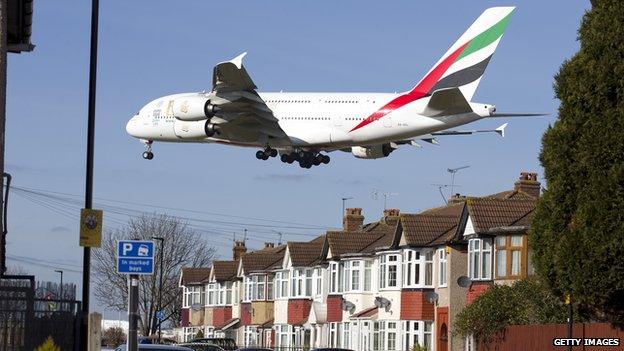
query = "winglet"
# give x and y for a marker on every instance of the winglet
(501, 130)
(238, 60)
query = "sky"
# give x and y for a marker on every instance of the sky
(148, 49)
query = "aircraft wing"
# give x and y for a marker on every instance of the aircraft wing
(238, 104)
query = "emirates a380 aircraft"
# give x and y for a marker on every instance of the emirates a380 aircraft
(300, 126)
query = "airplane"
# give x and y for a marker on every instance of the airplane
(301, 127)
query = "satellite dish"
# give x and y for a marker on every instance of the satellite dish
(377, 302)
(464, 281)
(249, 308)
(196, 306)
(347, 306)
(432, 297)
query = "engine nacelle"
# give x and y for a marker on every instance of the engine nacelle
(373, 151)
(194, 130)
(193, 108)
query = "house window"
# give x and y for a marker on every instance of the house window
(480, 259)
(355, 275)
(282, 333)
(248, 289)
(318, 278)
(211, 294)
(250, 336)
(442, 267)
(388, 271)
(510, 255)
(335, 282)
(270, 288)
(301, 283)
(429, 268)
(411, 268)
(260, 282)
(368, 265)
(194, 296)
(428, 336)
(378, 336)
(391, 335)
(346, 336)
(282, 284)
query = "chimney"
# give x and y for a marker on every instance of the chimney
(352, 220)
(528, 184)
(391, 216)
(457, 198)
(238, 250)
(269, 245)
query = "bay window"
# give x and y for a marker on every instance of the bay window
(389, 271)
(270, 288)
(260, 285)
(335, 277)
(281, 285)
(417, 264)
(301, 282)
(480, 259)
(355, 275)
(248, 295)
(346, 335)
(391, 335)
(368, 267)
(211, 294)
(442, 267)
(510, 256)
(417, 333)
(318, 281)
(193, 295)
(429, 268)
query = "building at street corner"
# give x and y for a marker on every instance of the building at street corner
(389, 284)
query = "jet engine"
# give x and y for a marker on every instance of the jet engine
(194, 129)
(193, 108)
(373, 151)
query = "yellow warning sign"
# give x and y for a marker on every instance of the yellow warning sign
(567, 299)
(90, 228)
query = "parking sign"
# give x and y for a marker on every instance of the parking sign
(135, 257)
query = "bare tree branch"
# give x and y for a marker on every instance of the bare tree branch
(183, 247)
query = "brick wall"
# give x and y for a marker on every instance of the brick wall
(476, 289)
(298, 310)
(414, 305)
(245, 313)
(185, 318)
(334, 308)
(221, 315)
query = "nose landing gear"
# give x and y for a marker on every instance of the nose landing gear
(147, 154)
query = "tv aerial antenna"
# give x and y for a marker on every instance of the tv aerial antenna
(444, 186)
(376, 193)
(454, 171)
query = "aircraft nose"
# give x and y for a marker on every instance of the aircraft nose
(131, 126)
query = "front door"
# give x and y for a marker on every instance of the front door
(365, 336)
(442, 329)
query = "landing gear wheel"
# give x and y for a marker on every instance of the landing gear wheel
(273, 153)
(260, 155)
(325, 159)
(317, 160)
(148, 155)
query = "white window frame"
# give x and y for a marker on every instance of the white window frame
(387, 262)
(480, 257)
(442, 267)
(318, 282)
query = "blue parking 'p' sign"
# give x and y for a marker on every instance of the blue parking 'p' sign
(135, 257)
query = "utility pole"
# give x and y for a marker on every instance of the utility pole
(3, 81)
(86, 258)
(160, 283)
(133, 312)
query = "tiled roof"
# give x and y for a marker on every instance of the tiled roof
(432, 227)
(304, 254)
(511, 194)
(489, 213)
(373, 236)
(224, 270)
(194, 275)
(264, 259)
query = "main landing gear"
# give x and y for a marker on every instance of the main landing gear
(147, 154)
(306, 159)
(266, 153)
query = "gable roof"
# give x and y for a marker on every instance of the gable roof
(263, 259)
(224, 270)
(432, 227)
(304, 254)
(191, 275)
(489, 214)
(372, 237)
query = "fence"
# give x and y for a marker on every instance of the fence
(27, 321)
(540, 337)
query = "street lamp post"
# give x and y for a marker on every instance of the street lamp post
(160, 283)
(61, 292)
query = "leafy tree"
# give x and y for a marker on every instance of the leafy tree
(527, 301)
(48, 345)
(578, 228)
(199, 335)
(114, 336)
(183, 247)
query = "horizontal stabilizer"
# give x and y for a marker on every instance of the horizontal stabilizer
(500, 131)
(444, 102)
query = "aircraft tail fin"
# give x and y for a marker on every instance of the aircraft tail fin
(462, 66)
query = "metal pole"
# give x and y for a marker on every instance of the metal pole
(86, 258)
(3, 80)
(133, 315)
(60, 297)
(160, 284)
(570, 319)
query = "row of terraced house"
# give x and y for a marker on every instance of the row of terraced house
(389, 284)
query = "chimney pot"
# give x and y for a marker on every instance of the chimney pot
(267, 245)
(238, 250)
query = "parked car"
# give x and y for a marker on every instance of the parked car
(154, 347)
(331, 349)
(254, 349)
(227, 344)
(201, 346)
